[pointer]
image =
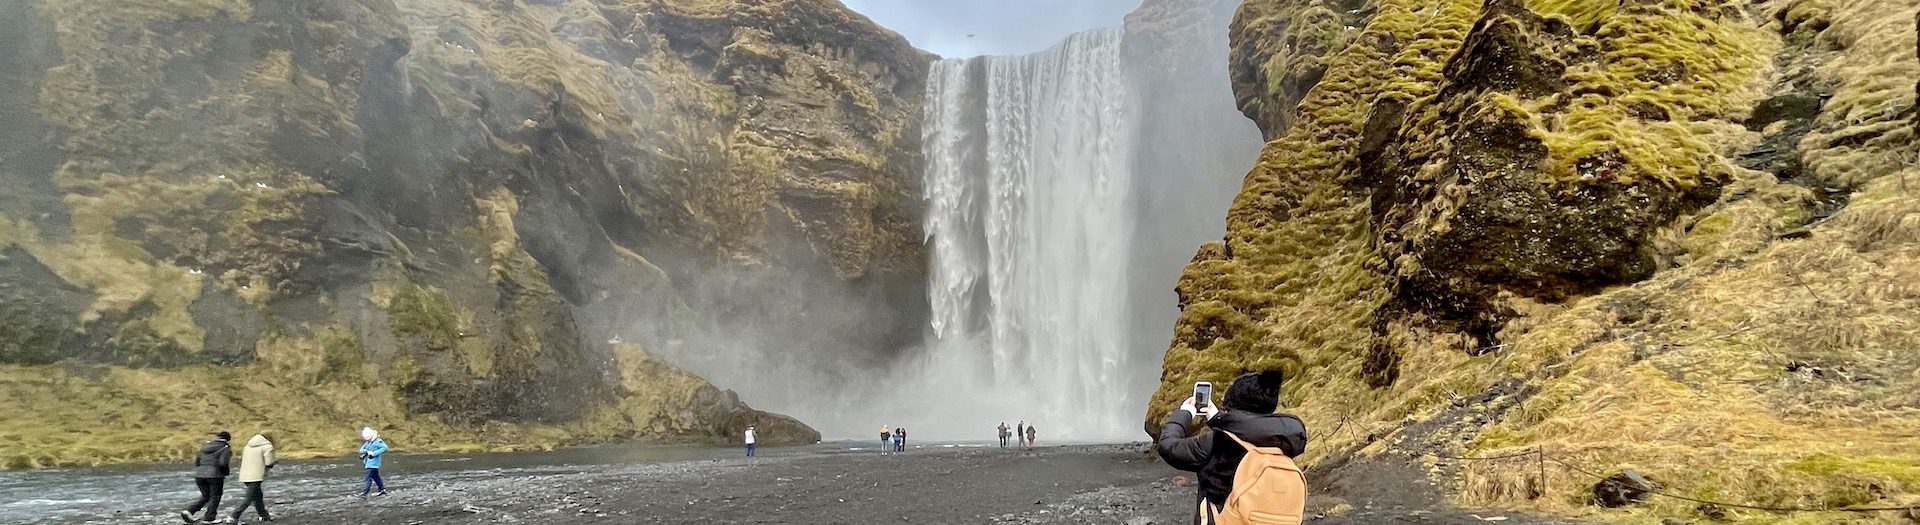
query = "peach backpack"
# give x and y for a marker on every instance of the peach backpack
(1268, 489)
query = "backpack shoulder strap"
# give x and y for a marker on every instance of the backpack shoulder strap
(1236, 439)
(1273, 452)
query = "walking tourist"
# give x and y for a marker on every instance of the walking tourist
(372, 450)
(749, 440)
(210, 476)
(255, 461)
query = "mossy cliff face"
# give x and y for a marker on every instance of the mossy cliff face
(1672, 236)
(1279, 50)
(466, 223)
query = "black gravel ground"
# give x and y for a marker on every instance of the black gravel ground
(1106, 484)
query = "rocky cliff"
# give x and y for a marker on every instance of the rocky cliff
(1672, 236)
(477, 224)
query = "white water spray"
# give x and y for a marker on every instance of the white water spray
(1030, 217)
(1037, 225)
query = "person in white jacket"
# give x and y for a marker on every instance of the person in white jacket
(750, 440)
(255, 461)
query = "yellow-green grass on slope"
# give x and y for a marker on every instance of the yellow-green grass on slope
(1671, 77)
(82, 415)
(1302, 282)
(1783, 379)
(1763, 371)
(1866, 130)
(95, 415)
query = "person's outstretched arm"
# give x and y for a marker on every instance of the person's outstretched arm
(1178, 449)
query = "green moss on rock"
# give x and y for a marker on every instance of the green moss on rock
(1546, 243)
(427, 313)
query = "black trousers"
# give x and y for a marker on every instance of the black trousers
(210, 489)
(255, 498)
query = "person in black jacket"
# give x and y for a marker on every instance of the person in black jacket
(1212, 457)
(210, 469)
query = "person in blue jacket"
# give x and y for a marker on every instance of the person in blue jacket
(371, 450)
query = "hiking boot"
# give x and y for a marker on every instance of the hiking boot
(381, 493)
(187, 517)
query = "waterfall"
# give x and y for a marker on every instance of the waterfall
(1037, 223)
(1029, 217)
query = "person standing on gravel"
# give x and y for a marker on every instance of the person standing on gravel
(750, 440)
(1019, 432)
(886, 440)
(210, 476)
(1030, 434)
(900, 439)
(255, 461)
(1005, 432)
(372, 450)
(1214, 456)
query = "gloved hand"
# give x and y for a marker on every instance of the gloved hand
(1187, 405)
(1208, 412)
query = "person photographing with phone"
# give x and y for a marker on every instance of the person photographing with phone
(1244, 430)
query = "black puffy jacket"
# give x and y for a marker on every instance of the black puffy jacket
(214, 458)
(1213, 457)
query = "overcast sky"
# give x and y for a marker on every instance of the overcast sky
(999, 27)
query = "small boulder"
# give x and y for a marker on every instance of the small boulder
(1625, 488)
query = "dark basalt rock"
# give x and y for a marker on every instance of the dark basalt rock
(1624, 488)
